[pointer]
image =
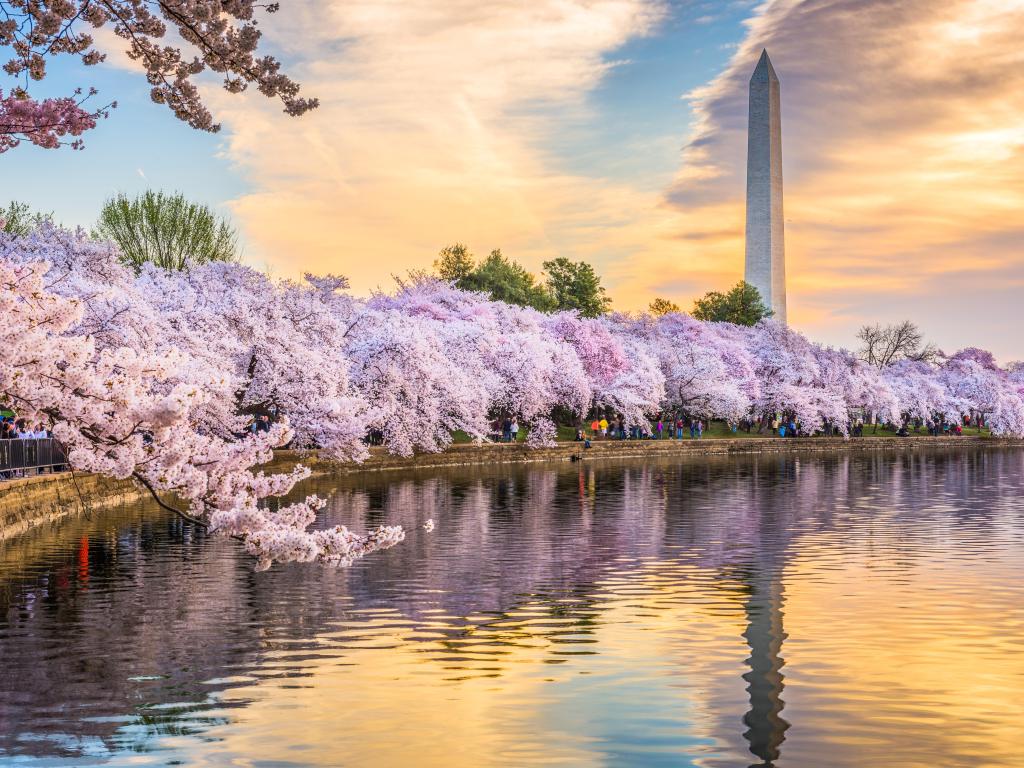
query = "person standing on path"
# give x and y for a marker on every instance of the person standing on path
(514, 430)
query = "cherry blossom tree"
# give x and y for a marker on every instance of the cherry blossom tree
(156, 376)
(637, 390)
(976, 384)
(854, 384)
(419, 395)
(698, 379)
(1015, 382)
(1015, 375)
(47, 123)
(790, 377)
(513, 364)
(279, 341)
(918, 391)
(147, 410)
(220, 37)
(621, 372)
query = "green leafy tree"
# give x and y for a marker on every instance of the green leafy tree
(454, 263)
(575, 285)
(166, 230)
(569, 285)
(507, 281)
(660, 307)
(498, 276)
(742, 305)
(19, 219)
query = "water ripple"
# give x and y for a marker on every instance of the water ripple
(725, 611)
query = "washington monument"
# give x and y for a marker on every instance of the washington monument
(766, 249)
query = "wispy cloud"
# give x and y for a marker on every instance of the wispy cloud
(435, 124)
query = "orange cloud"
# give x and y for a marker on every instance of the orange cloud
(903, 156)
(432, 129)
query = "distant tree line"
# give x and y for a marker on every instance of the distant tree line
(741, 305)
(574, 285)
(172, 232)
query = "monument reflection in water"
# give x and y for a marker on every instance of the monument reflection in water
(623, 614)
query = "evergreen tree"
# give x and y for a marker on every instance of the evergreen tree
(569, 285)
(454, 263)
(498, 276)
(507, 281)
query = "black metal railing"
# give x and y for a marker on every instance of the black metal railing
(32, 455)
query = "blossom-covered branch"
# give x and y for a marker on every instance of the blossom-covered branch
(223, 37)
(46, 123)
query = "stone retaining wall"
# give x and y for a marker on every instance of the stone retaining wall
(32, 501)
(28, 502)
(498, 453)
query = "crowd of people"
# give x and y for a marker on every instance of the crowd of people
(12, 429)
(672, 427)
(15, 463)
(664, 427)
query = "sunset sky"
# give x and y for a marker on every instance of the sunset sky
(611, 131)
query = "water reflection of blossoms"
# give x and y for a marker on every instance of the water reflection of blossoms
(527, 565)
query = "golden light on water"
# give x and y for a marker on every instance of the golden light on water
(526, 687)
(523, 687)
(936, 660)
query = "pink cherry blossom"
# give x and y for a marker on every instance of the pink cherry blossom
(157, 377)
(223, 37)
(45, 123)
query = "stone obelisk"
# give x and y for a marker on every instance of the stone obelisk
(766, 249)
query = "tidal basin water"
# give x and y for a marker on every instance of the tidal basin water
(802, 610)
